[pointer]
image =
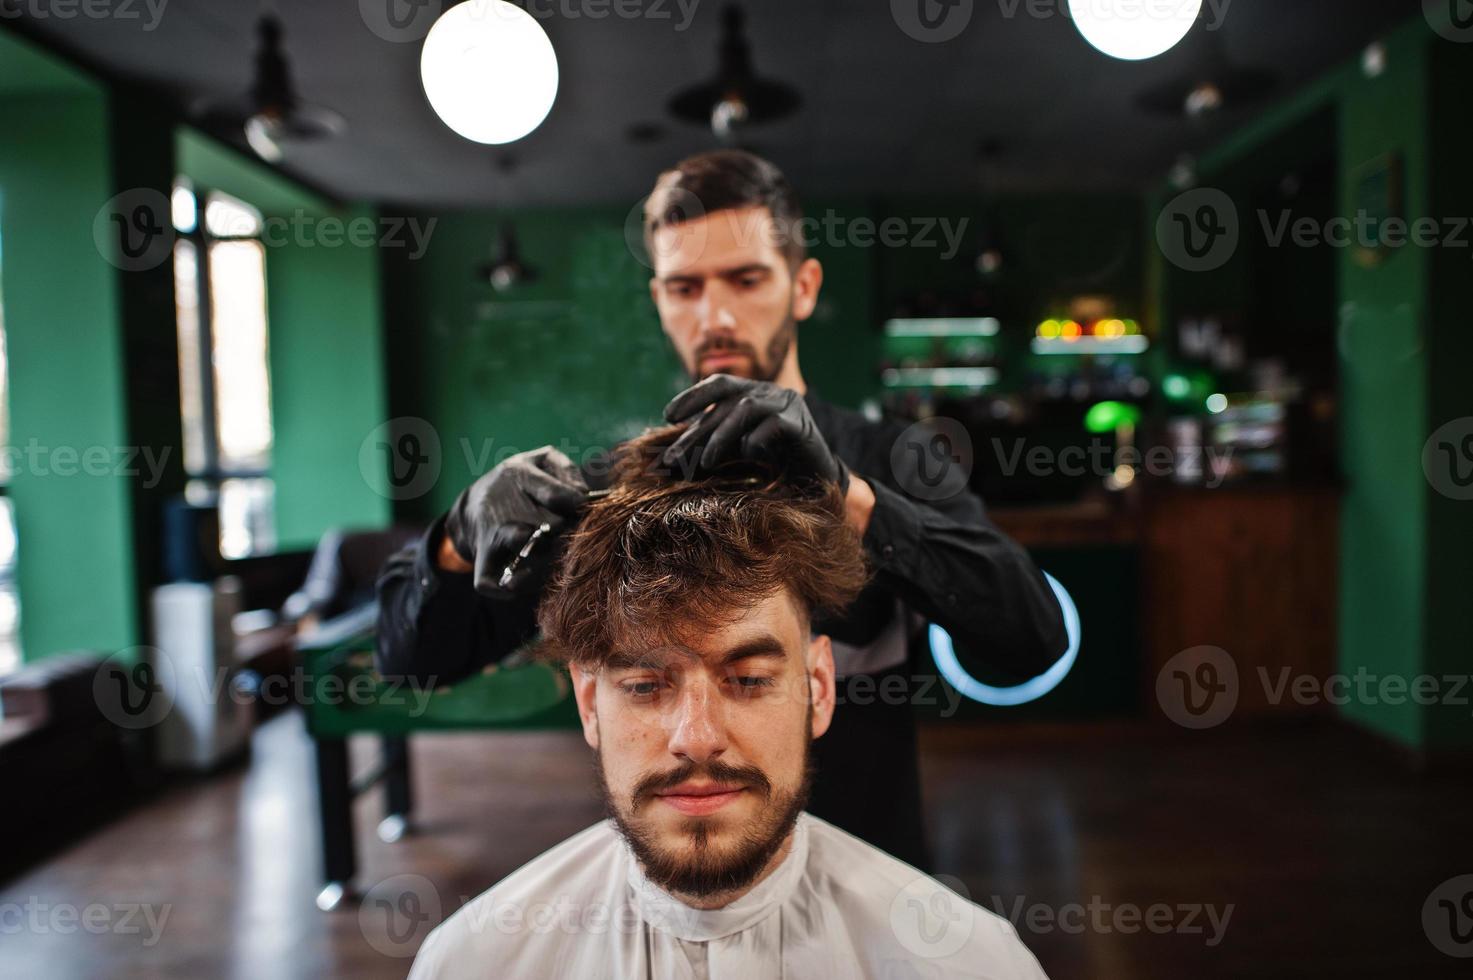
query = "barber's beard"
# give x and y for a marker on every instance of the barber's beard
(765, 367)
(696, 865)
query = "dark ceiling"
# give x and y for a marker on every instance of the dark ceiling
(883, 111)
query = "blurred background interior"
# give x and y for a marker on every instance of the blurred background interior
(216, 432)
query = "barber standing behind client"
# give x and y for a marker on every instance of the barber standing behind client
(731, 288)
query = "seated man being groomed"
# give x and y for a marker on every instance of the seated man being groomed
(682, 609)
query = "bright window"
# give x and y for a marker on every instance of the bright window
(224, 364)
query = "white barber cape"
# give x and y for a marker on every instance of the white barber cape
(835, 907)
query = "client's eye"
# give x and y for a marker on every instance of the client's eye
(641, 690)
(750, 684)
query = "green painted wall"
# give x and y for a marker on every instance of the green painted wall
(575, 359)
(92, 361)
(76, 576)
(327, 388)
(326, 345)
(1404, 346)
(1383, 399)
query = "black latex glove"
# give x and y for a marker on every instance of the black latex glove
(495, 516)
(749, 420)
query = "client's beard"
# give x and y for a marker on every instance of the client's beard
(701, 871)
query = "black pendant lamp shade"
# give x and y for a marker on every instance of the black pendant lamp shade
(736, 98)
(272, 115)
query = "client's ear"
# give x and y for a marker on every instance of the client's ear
(821, 682)
(585, 687)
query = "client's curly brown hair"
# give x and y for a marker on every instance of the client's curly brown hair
(661, 556)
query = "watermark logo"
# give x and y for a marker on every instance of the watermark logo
(933, 459)
(35, 458)
(134, 688)
(1364, 687)
(400, 21)
(134, 230)
(63, 918)
(139, 687)
(407, 21)
(400, 459)
(306, 230)
(1198, 688)
(1452, 19)
(1198, 231)
(915, 690)
(397, 913)
(931, 21)
(683, 211)
(1104, 460)
(149, 12)
(1447, 917)
(1447, 459)
(1364, 231)
(933, 917)
(1103, 917)
(681, 207)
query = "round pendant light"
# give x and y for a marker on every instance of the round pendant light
(1132, 30)
(489, 71)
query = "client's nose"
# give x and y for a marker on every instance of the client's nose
(698, 729)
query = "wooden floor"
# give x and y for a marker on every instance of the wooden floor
(1322, 848)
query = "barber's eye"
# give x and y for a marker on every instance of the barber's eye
(641, 689)
(750, 685)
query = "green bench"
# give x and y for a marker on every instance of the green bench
(343, 695)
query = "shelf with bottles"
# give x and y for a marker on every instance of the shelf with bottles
(1244, 412)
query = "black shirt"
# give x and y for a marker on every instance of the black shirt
(942, 557)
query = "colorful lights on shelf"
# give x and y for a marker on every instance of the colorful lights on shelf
(1105, 336)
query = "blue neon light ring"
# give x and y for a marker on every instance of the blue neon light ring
(944, 653)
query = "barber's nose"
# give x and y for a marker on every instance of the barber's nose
(699, 729)
(715, 309)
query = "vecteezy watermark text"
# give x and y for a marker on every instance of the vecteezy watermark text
(149, 12)
(134, 230)
(834, 230)
(1364, 230)
(1200, 230)
(1201, 688)
(37, 459)
(138, 687)
(1101, 459)
(936, 21)
(1102, 917)
(408, 21)
(64, 918)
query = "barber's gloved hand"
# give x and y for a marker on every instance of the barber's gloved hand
(495, 516)
(749, 420)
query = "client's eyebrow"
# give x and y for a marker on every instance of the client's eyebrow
(765, 645)
(762, 645)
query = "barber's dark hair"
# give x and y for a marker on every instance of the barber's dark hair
(725, 180)
(662, 556)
